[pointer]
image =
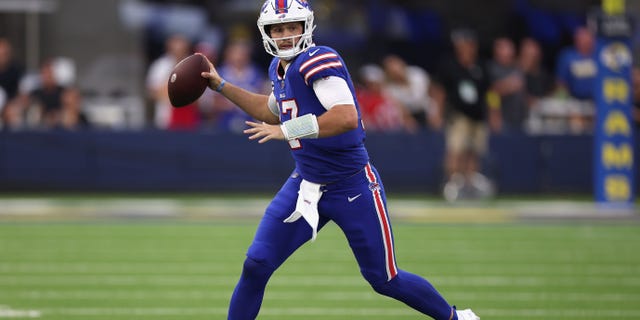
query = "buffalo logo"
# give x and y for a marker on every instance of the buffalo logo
(374, 186)
(282, 6)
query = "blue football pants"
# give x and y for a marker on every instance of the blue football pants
(358, 206)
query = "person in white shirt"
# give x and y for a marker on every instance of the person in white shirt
(177, 48)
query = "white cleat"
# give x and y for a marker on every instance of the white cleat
(466, 314)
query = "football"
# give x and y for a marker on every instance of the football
(186, 84)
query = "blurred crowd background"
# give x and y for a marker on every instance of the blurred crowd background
(75, 65)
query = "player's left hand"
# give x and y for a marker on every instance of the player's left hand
(264, 131)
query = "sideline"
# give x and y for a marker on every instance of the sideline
(41, 209)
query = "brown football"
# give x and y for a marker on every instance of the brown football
(186, 84)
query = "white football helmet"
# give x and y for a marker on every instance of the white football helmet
(283, 11)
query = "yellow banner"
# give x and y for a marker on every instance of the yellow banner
(613, 7)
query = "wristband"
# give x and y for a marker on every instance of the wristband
(302, 127)
(221, 85)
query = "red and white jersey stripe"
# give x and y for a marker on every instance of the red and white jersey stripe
(319, 63)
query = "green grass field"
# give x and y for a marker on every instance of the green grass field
(176, 269)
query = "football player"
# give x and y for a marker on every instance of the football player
(312, 107)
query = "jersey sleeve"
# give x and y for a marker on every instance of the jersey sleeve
(332, 91)
(321, 62)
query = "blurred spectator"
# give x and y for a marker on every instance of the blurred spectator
(410, 86)
(576, 67)
(47, 97)
(636, 96)
(12, 116)
(539, 81)
(465, 81)
(71, 115)
(542, 108)
(380, 113)
(237, 68)
(576, 72)
(165, 116)
(10, 73)
(508, 110)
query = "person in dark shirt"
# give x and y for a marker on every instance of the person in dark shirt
(465, 81)
(539, 82)
(71, 116)
(509, 84)
(48, 96)
(10, 71)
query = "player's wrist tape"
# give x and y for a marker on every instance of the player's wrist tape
(221, 85)
(301, 127)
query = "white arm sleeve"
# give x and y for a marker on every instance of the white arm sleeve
(273, 105)
(333, 91)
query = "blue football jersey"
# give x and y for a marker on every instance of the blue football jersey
(321, 160)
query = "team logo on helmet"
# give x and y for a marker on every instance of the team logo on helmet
(282, 6)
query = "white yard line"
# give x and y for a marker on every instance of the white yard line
(317, 280)
(152, 268)
(562, 313)
(342, 312)
(292, 295)
(295, 312)
(8, 312)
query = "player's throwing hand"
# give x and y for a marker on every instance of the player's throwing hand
(213, 76)
(263, 131)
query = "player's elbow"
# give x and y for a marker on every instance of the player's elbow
(351, 123)
(349, 118)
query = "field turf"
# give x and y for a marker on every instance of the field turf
(166, 269)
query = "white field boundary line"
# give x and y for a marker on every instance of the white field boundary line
(499, 210)
(316, 280)
(161, 208)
